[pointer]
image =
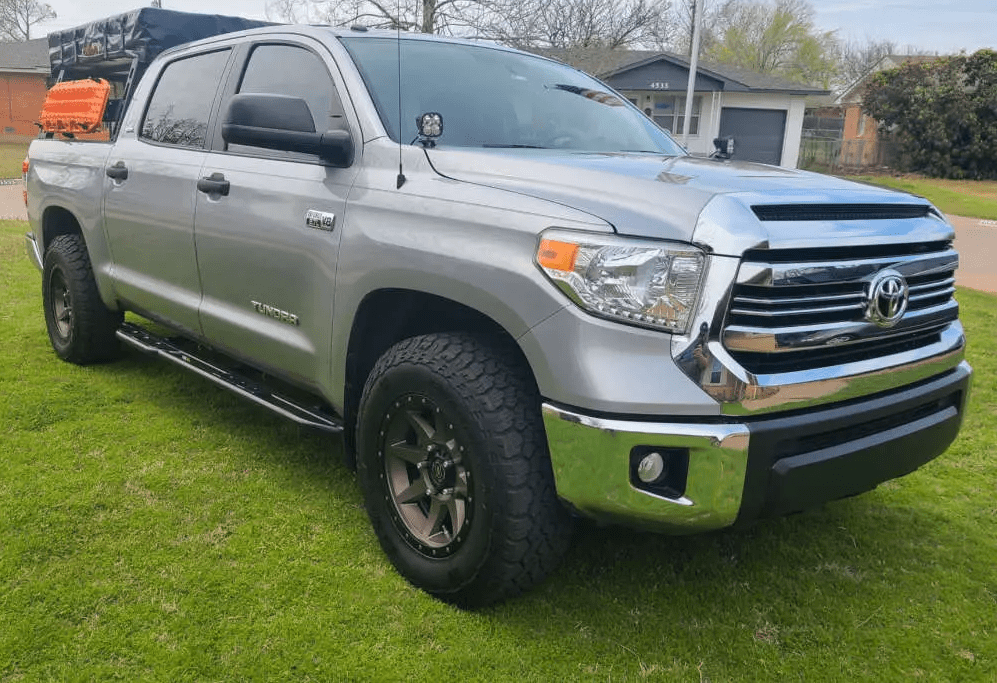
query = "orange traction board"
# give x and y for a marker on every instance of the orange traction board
(75, 106)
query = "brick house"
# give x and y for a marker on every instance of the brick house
(860, 143)
(24, 73)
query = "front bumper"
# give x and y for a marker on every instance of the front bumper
(34, 252)
(744, 469)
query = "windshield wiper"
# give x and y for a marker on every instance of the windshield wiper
(516, 146)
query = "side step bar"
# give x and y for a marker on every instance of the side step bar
(255, 391)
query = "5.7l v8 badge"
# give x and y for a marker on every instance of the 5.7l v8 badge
(320, 220)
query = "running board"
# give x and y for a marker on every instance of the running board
(255, 391)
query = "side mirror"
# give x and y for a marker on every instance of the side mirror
(283, 123)
(725, 147)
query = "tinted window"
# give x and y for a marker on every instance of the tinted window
(496, 98)
(296, 72)
(179, 108)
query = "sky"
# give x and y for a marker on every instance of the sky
(945, 27)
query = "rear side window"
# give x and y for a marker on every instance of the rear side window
(181, 103)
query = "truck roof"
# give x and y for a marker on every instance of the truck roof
(107, 47)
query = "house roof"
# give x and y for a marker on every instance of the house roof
(30, 56)
(605, 64)
(853, 93)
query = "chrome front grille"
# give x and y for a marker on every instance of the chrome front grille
(790, 312)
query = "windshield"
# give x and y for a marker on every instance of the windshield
(494, 98)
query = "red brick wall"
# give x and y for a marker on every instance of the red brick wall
(21, 100)
(859, 149)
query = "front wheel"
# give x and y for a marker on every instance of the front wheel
(80, 327)
(455, 472)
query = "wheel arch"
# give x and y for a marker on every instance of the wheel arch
(386, 317)
(58, 220)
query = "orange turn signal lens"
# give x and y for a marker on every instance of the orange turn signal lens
(557, 255)
(25, 165)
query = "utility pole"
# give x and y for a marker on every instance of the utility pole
(690, 89)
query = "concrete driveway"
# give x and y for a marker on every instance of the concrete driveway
(975, 239)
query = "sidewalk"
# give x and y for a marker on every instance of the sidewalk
(976, 241)
(12, 202)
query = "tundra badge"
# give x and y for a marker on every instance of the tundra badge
(275, 313)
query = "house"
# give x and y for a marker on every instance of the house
(24, 73)
(764, 114)
(861, 146)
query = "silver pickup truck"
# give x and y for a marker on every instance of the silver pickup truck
(518, 300)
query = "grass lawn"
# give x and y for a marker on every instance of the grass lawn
(154, 527)
(970, 198)
(11, 156)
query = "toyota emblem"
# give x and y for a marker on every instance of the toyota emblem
(887, 298)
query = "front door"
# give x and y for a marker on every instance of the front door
(268, 248)
(149, 191)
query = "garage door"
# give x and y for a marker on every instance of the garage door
(757, 133)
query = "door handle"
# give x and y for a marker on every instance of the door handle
(214, 184)
(118, 171)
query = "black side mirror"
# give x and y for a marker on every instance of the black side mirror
(283, 123)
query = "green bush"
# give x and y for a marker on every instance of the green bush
(943, 114)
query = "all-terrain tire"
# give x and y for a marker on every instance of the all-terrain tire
(80, 327)
(460, 413)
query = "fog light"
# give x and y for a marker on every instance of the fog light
(660, 470)
(651, 468)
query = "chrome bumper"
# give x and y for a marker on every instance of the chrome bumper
(33, 249)
(757, 466)
(590, 457)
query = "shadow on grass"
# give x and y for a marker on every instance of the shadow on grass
(199, 402)
(829, 555)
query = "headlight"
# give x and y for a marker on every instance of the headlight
(651, 284)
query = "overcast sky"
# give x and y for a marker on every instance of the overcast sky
(947, 26)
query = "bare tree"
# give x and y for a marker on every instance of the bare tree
(611, 24)
(712, 25)
(858, 58)
(17, 17)
(427, 16)
(524, 23)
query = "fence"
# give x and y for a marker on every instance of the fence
(831, 155)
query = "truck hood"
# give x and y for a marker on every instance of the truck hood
(650, 195)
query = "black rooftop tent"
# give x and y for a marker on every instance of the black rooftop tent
(120, 48)
(108, 47)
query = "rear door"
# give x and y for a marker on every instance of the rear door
(149, 189)
(268, 249)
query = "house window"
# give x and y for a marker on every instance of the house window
(714, 375)
(861, 124)
(669, 113)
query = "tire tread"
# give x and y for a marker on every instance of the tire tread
(502, 396)
(92, 340)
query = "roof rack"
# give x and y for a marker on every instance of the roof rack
(120, 48)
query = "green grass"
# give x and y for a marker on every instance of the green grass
(153, 527)
(970, 198)
(11, 156)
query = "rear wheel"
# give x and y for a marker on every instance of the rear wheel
(455, 471)
(80, 327)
